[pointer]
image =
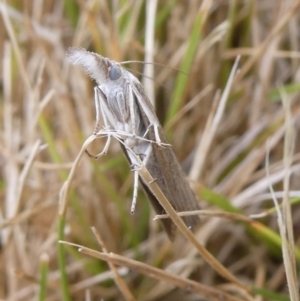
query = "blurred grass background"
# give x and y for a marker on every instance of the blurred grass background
(47, 111)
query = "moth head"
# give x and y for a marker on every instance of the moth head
(95, 65)
(114, 72)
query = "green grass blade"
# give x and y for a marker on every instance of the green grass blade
(72, 11)
(181, 80)
(268, 295)
(44, 267)
(64, 283)
(257, 229)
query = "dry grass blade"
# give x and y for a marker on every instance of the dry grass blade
(26, 214)
(211, 213)
(100, 278)
(211, 128)
(188, 107)
(64, 192)
(186, 284)
(119, 281)
(283, 21)
(15, 45)
(149, 50)
(285, 216)
(185, 231)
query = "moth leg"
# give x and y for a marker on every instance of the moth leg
(99, 100)
(97, 106)
(131, 109)
(147, 131)
(156, 134)
(135, 190)
(147, 108)
(103, 152)
(157, 138)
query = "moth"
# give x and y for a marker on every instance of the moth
(123, 107)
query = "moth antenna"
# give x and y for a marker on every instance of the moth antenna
(155, 64)
(140, 73)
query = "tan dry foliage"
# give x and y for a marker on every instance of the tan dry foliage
(47, 111)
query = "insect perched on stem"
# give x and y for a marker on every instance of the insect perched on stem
(124, 108)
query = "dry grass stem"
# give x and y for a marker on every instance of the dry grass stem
(185, 231)
(211, 128)
(186, 284)
(64, 193)
(211, 213)
(148, 73)
(119, 281)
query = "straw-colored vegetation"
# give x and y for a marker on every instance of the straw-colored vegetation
(238, 147)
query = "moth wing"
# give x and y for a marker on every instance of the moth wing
(166, 170)
(167, 224)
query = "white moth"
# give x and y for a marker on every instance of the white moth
(123, 107)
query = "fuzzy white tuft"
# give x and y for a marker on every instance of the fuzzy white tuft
(92, 63)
